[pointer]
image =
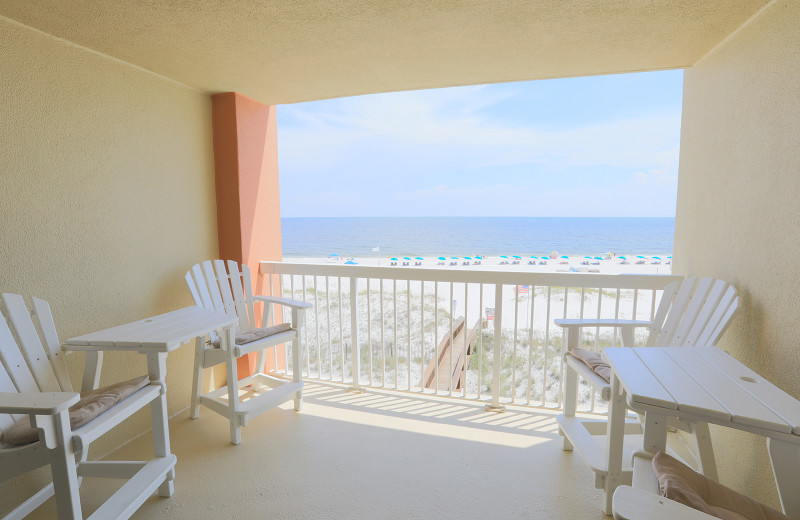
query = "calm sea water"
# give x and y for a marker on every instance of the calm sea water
(460, 236)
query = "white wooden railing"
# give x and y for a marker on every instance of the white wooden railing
(399, 320)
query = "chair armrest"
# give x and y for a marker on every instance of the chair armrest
(37, 403)
(604, 322)
(283, 301)
(635, 504)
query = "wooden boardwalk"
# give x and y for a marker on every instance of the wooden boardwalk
(452, 358)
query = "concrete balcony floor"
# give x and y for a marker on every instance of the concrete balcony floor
(373, 455)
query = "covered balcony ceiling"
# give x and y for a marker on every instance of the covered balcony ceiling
(289, 51)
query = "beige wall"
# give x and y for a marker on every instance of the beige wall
(738, 214)
(106, 195)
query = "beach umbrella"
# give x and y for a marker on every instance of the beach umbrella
(393, 259)
(441, 258)
(565, 257)
(503, 256)
(597, 258)
(657, 257)
(639, 256)
(333, 254)
(350, 262)
(453, 258)
(406, 258)
(467, 258)
(536, 257)
(419, 258)
(669, 257)
(478, 258)
(588, 257)
(517, 257)
(622, 258)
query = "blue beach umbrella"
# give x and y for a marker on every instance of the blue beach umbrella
(467, 258)
(441, 258)
(393, 259)
(517, 257)
(350, 262)
(536, 257)
(565, 257)
(657, 257)
(453, 258)
(333, 254)
(622, 258)
(503, 256)
(639, 256)
(419, 258)
(588, 257)
(598, 258)
(406, 258)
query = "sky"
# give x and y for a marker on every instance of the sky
(600, 146)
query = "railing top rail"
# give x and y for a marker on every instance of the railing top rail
(462, 275)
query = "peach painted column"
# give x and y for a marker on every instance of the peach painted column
(248, 197)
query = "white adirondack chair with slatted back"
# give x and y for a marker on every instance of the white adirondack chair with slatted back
(225, 287)
(692, 312)
(34, 384)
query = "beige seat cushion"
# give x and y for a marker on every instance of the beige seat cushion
(256, 334)
(594, 361)
(91, 404)
(681, 483)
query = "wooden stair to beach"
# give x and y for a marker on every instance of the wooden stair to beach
(451, 376)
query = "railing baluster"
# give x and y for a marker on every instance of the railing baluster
(369, 329)
(546, 344)
(422, 335)
(408, 332)
(395, 346)
(450, 346)
(498, 350)
(383, 344)
(467, 332)
(531, 301)
(480, 358)
(328, 312)
(354, 348)
(436, 336)
(341, 323)
(316, 326)
(514, 355)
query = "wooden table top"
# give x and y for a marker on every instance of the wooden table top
(164, 332)
(703, 383)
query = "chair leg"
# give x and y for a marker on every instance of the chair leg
(298, 319)
(65, 475)
(197, 378)
(570, 386)
(233, 386)
(157, 369)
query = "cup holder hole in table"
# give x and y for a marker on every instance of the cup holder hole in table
(748, 379)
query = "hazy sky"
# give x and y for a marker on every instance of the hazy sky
(596, 146)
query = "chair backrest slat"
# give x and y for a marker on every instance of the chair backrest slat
(202, 288)
(6, 385)
(193, 288)
(225, 286)
(238, 296)
(693, 309)
(704, 316)
(661, 313)
(213, 285)
(675, 313)
(722, 318)
(14, 363)
(45, 318)
(31, 346)
(248, 294)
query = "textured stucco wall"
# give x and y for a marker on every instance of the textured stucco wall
(738, 215)
(106, 197)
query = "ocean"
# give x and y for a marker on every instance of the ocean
(462, 236)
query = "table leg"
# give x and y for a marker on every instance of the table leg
(655, 433)
(157, 369)
(785, 459)
(614, 441)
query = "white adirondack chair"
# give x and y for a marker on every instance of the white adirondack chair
(692, 312)
(229, 290)
(34, 382)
